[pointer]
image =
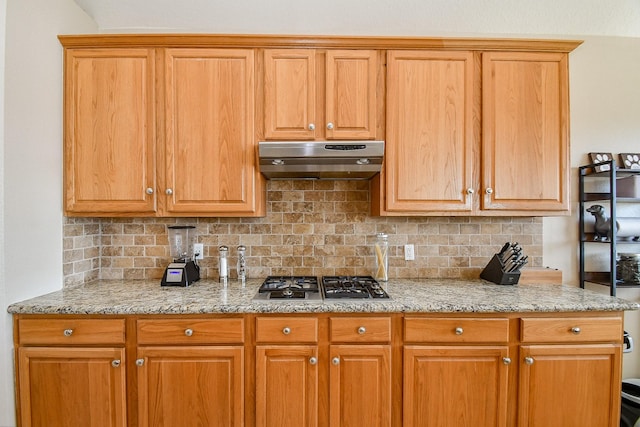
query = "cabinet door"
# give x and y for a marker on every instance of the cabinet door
(290, 93)
(570, 385)
(448, 386)
(210, 155)
(72, 387)
(351, 101)
(109, 135)
(360, 386)
(286, 386)
(430, 142)
(191, 386)
(525, 138)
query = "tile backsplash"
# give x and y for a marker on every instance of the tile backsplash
(311, 228)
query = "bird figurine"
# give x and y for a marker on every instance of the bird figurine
(603, 224)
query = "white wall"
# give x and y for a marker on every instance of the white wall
(31, 170)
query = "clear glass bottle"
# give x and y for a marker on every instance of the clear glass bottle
(223, 264)
(381, 256)
(241, 266)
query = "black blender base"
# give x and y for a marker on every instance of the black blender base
(181, 274)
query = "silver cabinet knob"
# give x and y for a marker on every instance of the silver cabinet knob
(576, 330)
(528, 360)
(335, 361)
(330, 126)
(168, 191)
(470, 191)
(506, 360)
(286, 330)
(362, 330)
(68, 332)
(459, 331)
(188, 332)
(139, 362)
(489, 190)
(115, 363)
(313, 360)
(312, 126)
(149, 190)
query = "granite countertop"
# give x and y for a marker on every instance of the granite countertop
(407, 296)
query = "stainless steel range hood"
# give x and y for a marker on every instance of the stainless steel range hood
(351, 160)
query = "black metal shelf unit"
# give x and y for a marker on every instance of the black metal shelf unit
(608, 172)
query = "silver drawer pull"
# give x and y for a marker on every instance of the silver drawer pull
(576, 330)
(362, 330)
(313, 360)
(139, 362)
(459, 331)
(188, 332)
(506, 360)
(528, 360)
(68, 332)
(335, 361)
(115, 363)
(286, 330)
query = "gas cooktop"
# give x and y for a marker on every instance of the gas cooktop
(330, 288)
(352, 287)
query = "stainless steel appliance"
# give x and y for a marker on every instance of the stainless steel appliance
(287, 288)
(184, 269)
(352, 287)
(330, 288)
(351, 160)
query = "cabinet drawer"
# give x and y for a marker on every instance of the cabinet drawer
(360, 329)
(467, 330)
(190, 331)
(285, 329)
(563, 329)
(71, 331)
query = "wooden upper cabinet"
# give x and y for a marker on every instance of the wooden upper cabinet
(290, 93)
(351, 94)
(430, 140)
(311, 94)
(525, 126)
(209, 115)
(109, 131)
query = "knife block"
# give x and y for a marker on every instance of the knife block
(494, 272)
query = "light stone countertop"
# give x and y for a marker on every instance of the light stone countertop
(121, 297)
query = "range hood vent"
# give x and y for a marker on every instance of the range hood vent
(346, 160)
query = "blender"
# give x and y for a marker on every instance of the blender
(184, 269)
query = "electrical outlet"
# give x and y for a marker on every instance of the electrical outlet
(198, 250)
(409, 255)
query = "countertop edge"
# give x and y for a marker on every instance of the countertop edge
(414, 296)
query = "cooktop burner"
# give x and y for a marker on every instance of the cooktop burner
(289, 288)
(352, 287)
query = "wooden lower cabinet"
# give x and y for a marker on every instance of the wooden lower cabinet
(570, 371)
(287, 386)
(71, 386)
(570, 385)
(320, 370)
(191, 386)
(360, 386)
(455, 386)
